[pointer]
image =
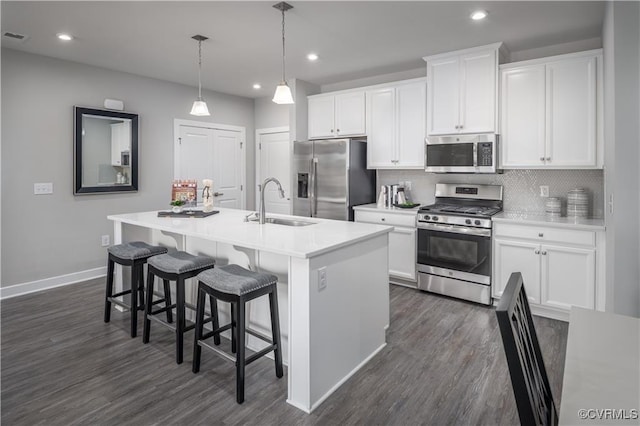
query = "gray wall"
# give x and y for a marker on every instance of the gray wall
(269, 114)
(51, 235)
(621, 39)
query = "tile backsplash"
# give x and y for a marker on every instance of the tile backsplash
(521, 187)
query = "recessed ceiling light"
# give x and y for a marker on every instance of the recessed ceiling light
(65, 36)
(312, 57)
(478, 15)
(257, 86)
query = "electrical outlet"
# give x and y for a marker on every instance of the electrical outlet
(43, 188)
(322, 278)
(407, 185)
(544, 190)
(105, 241)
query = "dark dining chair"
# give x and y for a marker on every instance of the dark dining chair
(526, 366)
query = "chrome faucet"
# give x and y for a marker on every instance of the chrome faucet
(280, 191)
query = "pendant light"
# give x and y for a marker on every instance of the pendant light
(199, 107)
(283, 92)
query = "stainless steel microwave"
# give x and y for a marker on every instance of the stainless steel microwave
(462, 153)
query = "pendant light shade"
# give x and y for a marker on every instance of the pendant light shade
(199, 107)
(283, 92)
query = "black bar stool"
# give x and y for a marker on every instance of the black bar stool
(177, 266)
(135, 255)
(236, 285)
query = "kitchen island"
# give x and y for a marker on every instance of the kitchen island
(332, 286)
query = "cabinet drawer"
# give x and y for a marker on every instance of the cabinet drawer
(386, 218)
(544, 234)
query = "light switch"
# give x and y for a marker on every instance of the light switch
(43, 188)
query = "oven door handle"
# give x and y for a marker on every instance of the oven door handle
(456, 229)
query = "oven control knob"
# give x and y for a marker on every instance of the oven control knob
(477, 222)
(434, 218)
(468, 221)
(426, 217)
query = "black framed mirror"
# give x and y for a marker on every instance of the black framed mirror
(105, 151)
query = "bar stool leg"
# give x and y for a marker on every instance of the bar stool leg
(141, 286)
(197, 349)
(233, 329)
(147, 307)
(240, 356)
(180, 320)
(275, 329)
(214, 315)
(167, 300)
(134, 300)
(109, 291)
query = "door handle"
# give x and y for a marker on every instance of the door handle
(218, 194)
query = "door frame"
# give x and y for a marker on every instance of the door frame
(267, 131)
(177, 122)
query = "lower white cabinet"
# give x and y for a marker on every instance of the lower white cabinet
(558, 266)
(402, 242)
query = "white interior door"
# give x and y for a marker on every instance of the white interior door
(274, 160)
(210, 153)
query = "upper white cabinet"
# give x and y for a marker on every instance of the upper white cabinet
(336, 115)
(396, 117)
(462, 91)
(551, 112)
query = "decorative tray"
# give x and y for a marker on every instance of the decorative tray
(187, 213)
(406, 206)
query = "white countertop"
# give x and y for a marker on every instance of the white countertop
(229, 227)
(395, 210)
(541, 219)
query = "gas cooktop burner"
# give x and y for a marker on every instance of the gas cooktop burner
(461, 209)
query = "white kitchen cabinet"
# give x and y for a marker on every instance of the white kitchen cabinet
(336, 115)
(558, 265)
(402, 241)
(396, 117)
(120, 141)
(551, 112)
(462, 91)
(516, 256)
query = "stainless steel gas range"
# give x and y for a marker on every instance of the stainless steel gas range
(454, 241)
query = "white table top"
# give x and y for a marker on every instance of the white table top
(602, 369)
(228, 226)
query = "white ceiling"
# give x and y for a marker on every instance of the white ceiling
(355, 39)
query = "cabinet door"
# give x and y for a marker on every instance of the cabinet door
(411, 103)
(568, 277)
(381, 152)
(321, 113)
(443, 92)
(402, 253)
(349, 114)
(522, 140)
(478, 92)
(571, 113)
(516, 256)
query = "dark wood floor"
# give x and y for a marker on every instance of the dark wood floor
(444, 364)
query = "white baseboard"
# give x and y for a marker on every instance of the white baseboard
(47, 283)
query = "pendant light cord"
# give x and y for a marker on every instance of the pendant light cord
(199, 69)
(283, 80)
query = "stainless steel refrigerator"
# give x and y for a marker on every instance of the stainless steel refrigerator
(331, 177)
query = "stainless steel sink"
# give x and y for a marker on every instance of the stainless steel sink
(287, 222)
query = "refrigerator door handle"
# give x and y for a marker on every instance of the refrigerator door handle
(314, 187)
